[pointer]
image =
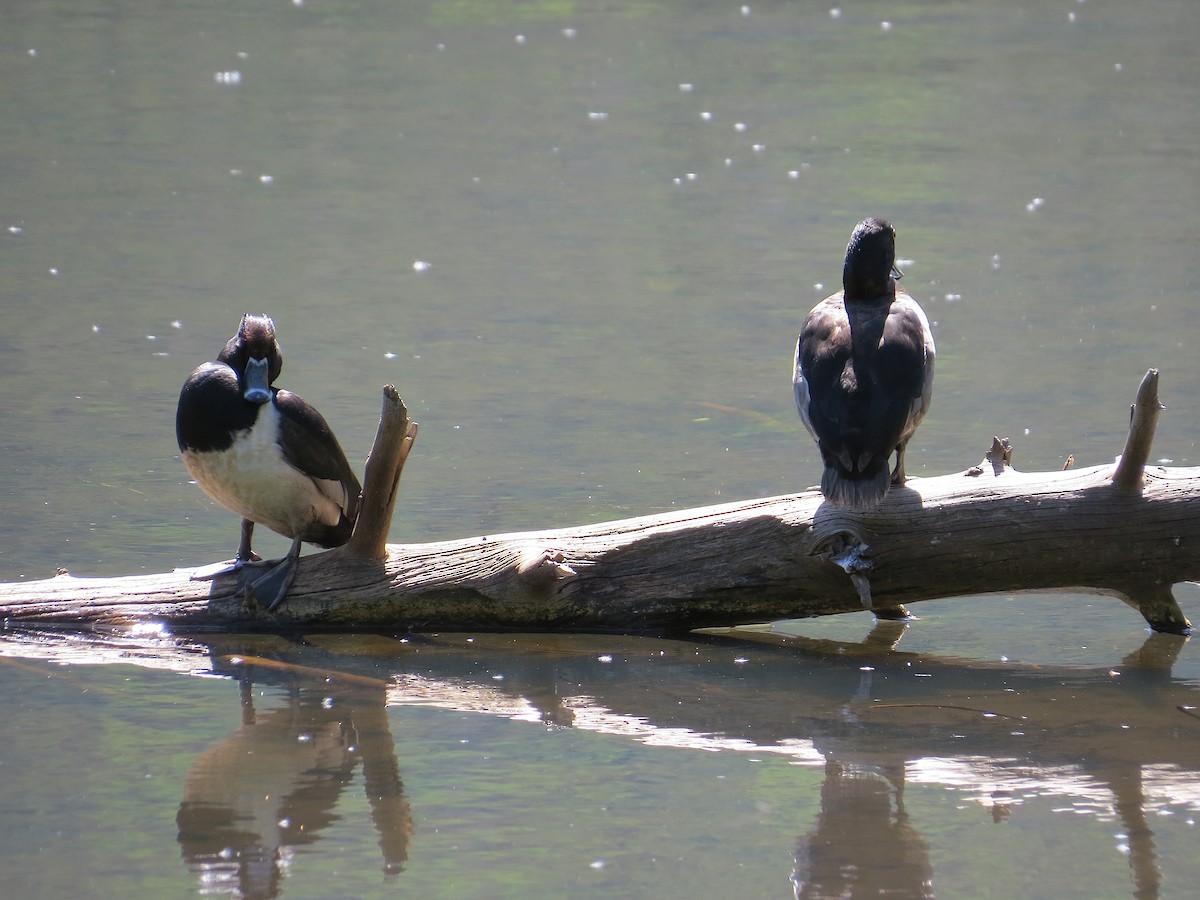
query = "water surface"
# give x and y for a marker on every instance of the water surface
(580, 239)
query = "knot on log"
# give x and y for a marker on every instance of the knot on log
(539, 568)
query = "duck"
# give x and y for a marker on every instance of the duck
(863, 372)
(266, 455)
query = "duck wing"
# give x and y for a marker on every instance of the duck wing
(310, 446)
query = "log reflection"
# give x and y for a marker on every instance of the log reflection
(873, 716)
(1120, 743)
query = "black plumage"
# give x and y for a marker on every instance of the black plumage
(863, 372)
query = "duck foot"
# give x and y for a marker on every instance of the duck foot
(271, 588)
(226, 567)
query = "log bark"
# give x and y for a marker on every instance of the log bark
(1129, 532)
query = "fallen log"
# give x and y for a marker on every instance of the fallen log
(1125, 529)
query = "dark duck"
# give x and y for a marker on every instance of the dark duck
(266, 455)
(863, 372)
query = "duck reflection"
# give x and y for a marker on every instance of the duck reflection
(272, 785)
(863, 844)
(1120, 743)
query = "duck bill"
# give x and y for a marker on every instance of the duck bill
(897, 272)
(257, 387)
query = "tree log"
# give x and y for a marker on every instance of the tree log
(1130, 531)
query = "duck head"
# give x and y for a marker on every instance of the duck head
(870, 260)
(254, 354)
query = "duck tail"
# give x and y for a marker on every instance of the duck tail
(864, 492)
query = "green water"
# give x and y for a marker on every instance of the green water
(625, 211)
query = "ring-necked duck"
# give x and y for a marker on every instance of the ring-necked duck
(265, 454)
(863, 373)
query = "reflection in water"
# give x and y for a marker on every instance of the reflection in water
(1118, 745)
(863, 844)
(272, 785)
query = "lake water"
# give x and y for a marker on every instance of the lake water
(580, 239)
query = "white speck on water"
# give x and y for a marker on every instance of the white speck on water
(759, 148)
(327, 703)
(569, 32)
(497, 678)
(440, 46)
(297, 2)
(953, 298)
(596, 864)
(235, 172)
(177, 324)
(598, 116)
(740, 660)
(818, 286)
(1117, 67)
(1026, 432)
(728, 162)
(304, 738)
(905, 263)
(691, 176)
(267, 179)
(605, 658)
(1071, 16)
(745, 12)
(15, 229)
(835, 13)
(686, 88)
(866, 668)
(33, 51)
(1035, 204)
(1165, 461)
(706, 116)
(422, 266)
(739, 126)
(54, 270)
(520, 39)
(793, 174)
(232, 77)
(885, 26)
(996, 261)
(389, 355)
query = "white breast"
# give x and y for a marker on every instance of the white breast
(253, 480)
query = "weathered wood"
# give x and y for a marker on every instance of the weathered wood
(1143, 419)
(381, 480)
(990, 529)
